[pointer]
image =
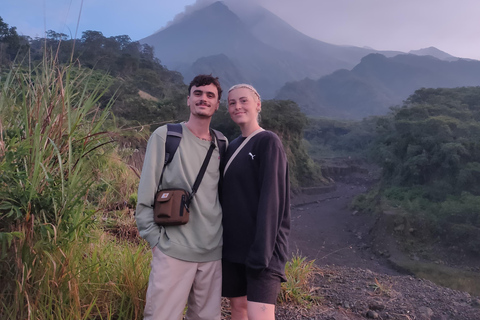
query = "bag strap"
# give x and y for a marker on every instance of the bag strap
(240, 148)
(221, 142)
(174, 135)
(172, 141)
(201, 172)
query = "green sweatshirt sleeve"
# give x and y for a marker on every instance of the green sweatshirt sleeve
(151, 171)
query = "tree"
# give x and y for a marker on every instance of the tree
(123, 41)
(92, 48)
(52, 35)
(10, 42)
(285, 118)
(435, 141)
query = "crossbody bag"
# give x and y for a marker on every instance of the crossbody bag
(171, 206)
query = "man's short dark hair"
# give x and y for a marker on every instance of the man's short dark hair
(205, 80)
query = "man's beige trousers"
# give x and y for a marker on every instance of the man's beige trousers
(174, 282)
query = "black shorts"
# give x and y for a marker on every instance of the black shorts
(239, 281)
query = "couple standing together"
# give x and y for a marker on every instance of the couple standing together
(248, 243)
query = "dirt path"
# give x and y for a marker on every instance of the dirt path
(324, 228)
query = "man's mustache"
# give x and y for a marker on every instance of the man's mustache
(202, 103)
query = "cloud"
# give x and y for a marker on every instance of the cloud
(234, 5)
(189, 9)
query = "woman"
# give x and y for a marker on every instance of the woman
(256, 212)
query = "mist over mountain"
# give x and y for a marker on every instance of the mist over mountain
(267, 50)
(213, 31)
(377, 83)
(255, 46)
(327, 57)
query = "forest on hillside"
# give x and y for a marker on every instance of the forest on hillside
(429, 153)
(131, 66)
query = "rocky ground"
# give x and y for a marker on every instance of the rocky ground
(356, 293)
(354, 281)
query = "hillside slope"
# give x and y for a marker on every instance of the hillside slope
(377, 83)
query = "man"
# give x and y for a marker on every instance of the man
(186, 259)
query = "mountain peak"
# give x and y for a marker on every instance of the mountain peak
(213, 11)
(434, 52)
(215, 8)
(218, 5)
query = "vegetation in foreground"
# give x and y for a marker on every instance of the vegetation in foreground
(66, 197)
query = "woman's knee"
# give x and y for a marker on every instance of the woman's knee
(238, 307)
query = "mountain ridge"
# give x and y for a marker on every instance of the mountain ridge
(257, 47)
(377, 83)
(434, 52)
(256, 43)
(262, 65)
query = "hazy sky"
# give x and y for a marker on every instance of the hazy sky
(450, 25)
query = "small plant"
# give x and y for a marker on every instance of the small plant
(380, 288)
(132, 200)
(297, 289)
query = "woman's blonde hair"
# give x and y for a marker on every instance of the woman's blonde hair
(246, 86)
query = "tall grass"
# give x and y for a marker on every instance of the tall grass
(52, 148)
(95, 277)
(52, 133)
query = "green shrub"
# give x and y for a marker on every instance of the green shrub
(297, 289)
(455, 220)
(367, 202)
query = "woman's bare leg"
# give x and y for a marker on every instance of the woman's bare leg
(238, 307)
(260, 311)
